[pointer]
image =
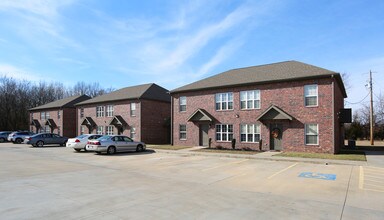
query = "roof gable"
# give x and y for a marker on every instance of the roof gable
(200, 115)
(274, 113)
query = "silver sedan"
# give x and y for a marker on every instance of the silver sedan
(114, 143)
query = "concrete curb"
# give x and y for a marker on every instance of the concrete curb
(259, 156)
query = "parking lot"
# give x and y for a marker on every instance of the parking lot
(57, 183)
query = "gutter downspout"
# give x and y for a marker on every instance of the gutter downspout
(171, 120)
(333, 113)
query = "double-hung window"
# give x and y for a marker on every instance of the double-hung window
(224, 132)
(133, 109)
(42, 115)
(47, 115)
(82, 129)
(109, 130)
(311, 95)
(250, 99)
(311, 134)
(183, 132)
(224, 101)
(109, 111)
(183, 104)
(133, 132)
(100, 130)
(81, 113)
(99, 111)
(58, 114)
(250, 133)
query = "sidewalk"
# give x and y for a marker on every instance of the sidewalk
(375, 158)
(268, 155)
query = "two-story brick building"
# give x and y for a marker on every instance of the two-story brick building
(289, 106)
(141, 112)
(56, 117)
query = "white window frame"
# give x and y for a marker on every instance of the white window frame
(224, 131)
(47, 115)
(82, 129)
(47, 129)
(132, 132)
(81, 112)
(58, 114)
(109, 111)
(100, 130)
(109, 130)
(42, 115)
(100, 111)
(133, 109)
(224, 99)
(251, 99)
(183, 104)
(307, 95)
(306, 133)
(183, 132)
(252, 130)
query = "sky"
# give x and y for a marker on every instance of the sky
(119, 43)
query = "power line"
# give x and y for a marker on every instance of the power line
(355, 103)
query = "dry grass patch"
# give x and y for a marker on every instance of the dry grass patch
(344, 155)
(167, 147)
(227, 151)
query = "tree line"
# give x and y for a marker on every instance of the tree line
(360, 126)
(18, 96)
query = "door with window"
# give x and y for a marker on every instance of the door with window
(276, 136)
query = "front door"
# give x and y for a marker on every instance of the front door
(276, 136)
(203, 140)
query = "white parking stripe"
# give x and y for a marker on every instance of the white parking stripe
(270, 177)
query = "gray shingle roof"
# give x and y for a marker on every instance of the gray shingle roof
(275, 72)
(62, 103)
(147, 91)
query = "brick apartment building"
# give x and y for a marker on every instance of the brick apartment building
(141, 112)
(288, 106)
(56, 117)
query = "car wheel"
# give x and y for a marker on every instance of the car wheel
(139, 148)
(77, 150)
(18, 141)
(40, 144)
(85, 149)
(2, 140)
(111, 150)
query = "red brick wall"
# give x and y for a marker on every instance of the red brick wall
(289, 96)
(121, 108)
(68, 119)
(155, 129)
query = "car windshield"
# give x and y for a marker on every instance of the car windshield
(81, 136)
(103, 138)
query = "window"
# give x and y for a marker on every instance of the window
(310, 95)
(109, 110)
(250, 99)
(58, 114)
(58, 130)
(47, 129)
(183, 132)
(109, 130)
(133, 132)
(183, 103)
(82, 130)
(47, 115)
(250, 133)
(311, 134)
(99, 111)
(42, 115)
(100, 130)
(224, 101)
(133, 109)
(224, 132)
(81, 113)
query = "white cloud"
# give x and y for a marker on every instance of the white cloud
(19, 73)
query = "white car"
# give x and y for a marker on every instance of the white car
(78, 143)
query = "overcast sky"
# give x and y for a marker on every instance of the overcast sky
(172, 43)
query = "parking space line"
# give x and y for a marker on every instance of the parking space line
(270, 177)
(361, 179)
(222, 165)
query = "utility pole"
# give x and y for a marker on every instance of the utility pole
(371, 109)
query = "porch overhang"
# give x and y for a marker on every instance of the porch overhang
(118, 121)
(200, 115)
(35, 123)
(88, 121)
(51, 123)
(274, 113)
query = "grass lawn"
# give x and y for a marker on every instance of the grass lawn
(167, 147)
(227, 151)
(343, 155)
